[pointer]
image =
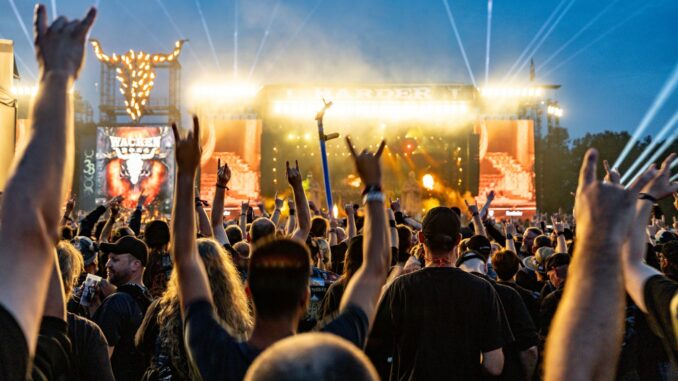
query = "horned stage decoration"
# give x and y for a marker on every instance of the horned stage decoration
(134, 71)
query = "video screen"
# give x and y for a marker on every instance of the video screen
(236, 143)
(132, 161)
(507, 166)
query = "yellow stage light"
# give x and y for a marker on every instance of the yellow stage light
(428, 182)
(510, 91)
(335, 211)
(226, 91)
(395, 110)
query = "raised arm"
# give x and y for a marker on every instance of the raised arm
(193, 283)
(559, 230)
(364, 288)
(278, 202)
(477, 221)
(292, 219)
(135, 218)
(108, 227)
(510, 232)
(217, 216)
(350, 221)
(204, 227)
(70, 205)
(303, 210)
(636, 271)
(34, 194)
(242, 219)
(593, 299)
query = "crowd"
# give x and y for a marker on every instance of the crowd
(377, 295)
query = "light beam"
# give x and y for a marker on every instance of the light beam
(180, 34)
(263, 40)
(21, 23)
(284, 49)
(668, 127)
(600, 37)
(461, 45)
(487, 41)
(656, 155)
(207, 33)
(543, 39)
(668, 88)
(534, 39)
(574, 37)
(54, 10)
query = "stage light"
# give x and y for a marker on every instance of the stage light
(555, 111)
(394, 110)
(510, 91)
(226, 91)
(428, 182)
(22, 91)
(335, 211)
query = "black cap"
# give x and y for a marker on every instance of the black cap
(441, 227)
(481, 245)
(557, 260)
(128, 245)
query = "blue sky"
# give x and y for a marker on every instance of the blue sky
(607, 86)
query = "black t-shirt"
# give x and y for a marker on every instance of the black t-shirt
(119, 317)
(89, 358)
(52, 356)
(530, 298)
(329, 307)
(219, 356)
(435, 323)
(522, 327)
(13, 348)
(547, 311)
(661, 300)
(338, 256)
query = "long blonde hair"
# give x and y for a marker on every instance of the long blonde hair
(228, 294)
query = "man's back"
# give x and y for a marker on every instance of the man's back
(439, 320)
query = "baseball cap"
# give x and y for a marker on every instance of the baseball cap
(128, 245)
(557, 260)
(481, 245)
(537, 261)
(441, 226)
(664, 236)
(87, 248)
(670, 251)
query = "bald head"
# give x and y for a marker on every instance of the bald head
(312, 356)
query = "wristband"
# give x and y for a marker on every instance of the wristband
(476, 214)
(509, 236)
(373, 196)
(645, 196)
(223, 187)
(372, 189)
(561, 233)
(392, 223)
(333, 231)
(292, 212)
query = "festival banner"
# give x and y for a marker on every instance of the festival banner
(132, 161)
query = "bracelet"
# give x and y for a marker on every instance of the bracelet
(561, 233)
(476, 214)
(392, 223)
(333, 231)
(509, 236)
(373, 196)
(223, 187)
(372, 189)
(292, 212)
(645, 196)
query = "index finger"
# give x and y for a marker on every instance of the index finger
(218, 163)
(381, 147)
(607, 166)
(350, 146)
(175, 132)
(196, 128)
(587, 173)
(40, 21)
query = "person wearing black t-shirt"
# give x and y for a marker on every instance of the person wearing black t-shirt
(122, 312)
(520, 356)
(506, 264)
(438, 322)
(32, 199)
(278, 276)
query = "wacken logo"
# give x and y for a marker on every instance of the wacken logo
(134, 153)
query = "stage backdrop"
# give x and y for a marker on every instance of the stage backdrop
(507, 166)
(135, 160)
(236, 142)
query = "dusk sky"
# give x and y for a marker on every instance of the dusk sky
(609, 85)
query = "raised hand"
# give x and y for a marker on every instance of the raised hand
(395, 205)
(612, 176)
(661, 185)
(348, 208)
(223, 174)
(61, 46)
(367, 163)
(290, 204)
(187, 150)
(244, 206)
(472, 208)
(293, 174)
(142, 200)
(114, 200)
(70, 204)
(557, 226)
(606, 207)
(279, 202)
